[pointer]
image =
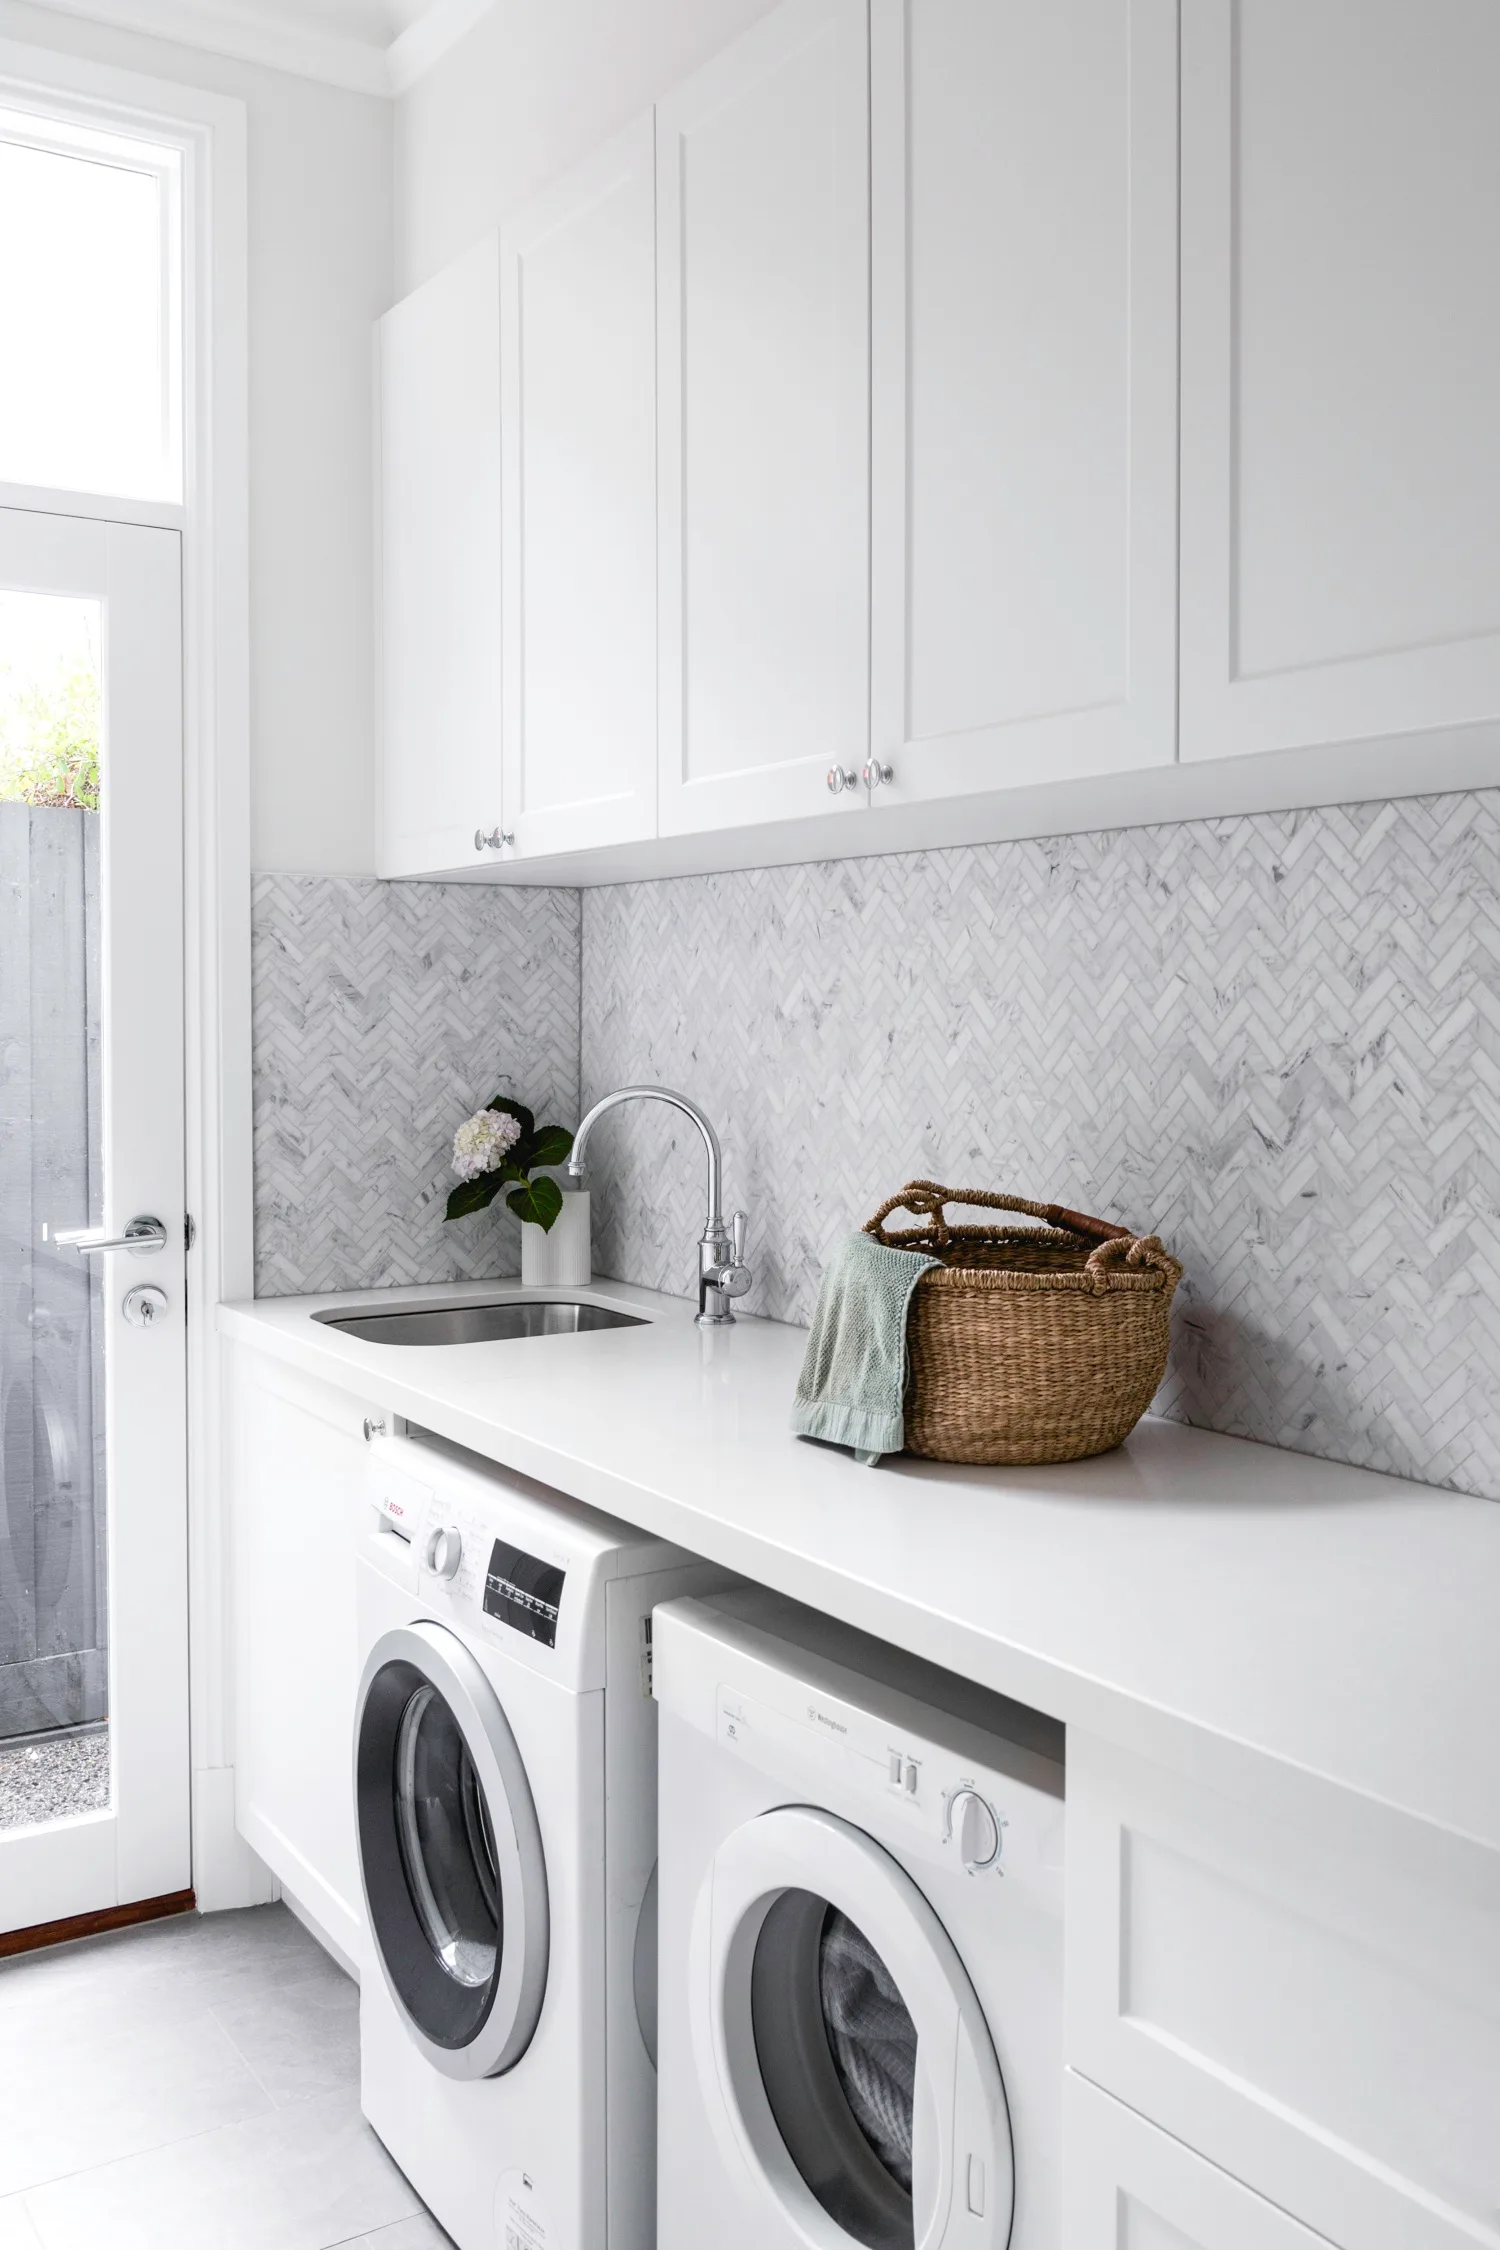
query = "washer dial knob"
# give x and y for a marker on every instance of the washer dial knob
(974, 1827)
(444, 1551)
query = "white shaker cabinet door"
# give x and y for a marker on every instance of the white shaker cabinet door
(438, 355)
(1127, 2186)
(578, 420)
(299, 1457)
(763, 262)
(1024, 170)
(1341, 368)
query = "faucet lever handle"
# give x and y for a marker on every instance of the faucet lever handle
(739, 1227)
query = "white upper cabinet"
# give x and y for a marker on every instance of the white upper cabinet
(763, 271)
(1024, 169)
(439, 383)
(1341, 371)
(578, 421)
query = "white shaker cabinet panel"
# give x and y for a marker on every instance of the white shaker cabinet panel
(1340, 368)
(578, 420)
(1024, 170)
(763, 258)
(299, 1463)
(439, 382)
(1301, 1985)
(1128, 2187)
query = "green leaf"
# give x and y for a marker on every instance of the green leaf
(552, 1145)
(540, 1202)
(473, 1195)
(523, 1116)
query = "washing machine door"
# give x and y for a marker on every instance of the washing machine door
(840, 2045)
(450, 1853)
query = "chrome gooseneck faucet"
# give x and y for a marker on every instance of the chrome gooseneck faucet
(722, 1272)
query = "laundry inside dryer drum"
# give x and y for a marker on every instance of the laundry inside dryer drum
(837, 2051)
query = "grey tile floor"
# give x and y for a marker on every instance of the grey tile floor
(193, 2085)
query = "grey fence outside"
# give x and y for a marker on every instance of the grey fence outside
(53, 1623)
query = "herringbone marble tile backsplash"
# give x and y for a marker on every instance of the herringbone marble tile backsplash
(1275, 1040)
(384, 1014)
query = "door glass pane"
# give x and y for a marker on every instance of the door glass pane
(837, 2050)
(88, 313)
(54, 1665)
(447, 1846)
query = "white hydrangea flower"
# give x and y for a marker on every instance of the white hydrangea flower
(482, 1142)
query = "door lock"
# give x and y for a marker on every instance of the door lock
(145, 1307)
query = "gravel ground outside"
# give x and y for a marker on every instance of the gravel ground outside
(54, 1780)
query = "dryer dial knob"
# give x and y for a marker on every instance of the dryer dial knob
(444, 1551)
(973, 1826)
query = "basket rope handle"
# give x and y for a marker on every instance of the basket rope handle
(1114, 1246)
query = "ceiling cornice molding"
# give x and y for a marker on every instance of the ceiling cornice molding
(440, 26)
(278, 42)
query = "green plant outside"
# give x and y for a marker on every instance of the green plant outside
(49, 740)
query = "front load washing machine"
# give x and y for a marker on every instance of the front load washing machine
(505, 1788)
(861, 1960)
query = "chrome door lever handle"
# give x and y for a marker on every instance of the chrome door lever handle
(141, 1238)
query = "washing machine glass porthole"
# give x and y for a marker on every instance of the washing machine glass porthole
(450, 1853)
(447, 1846)
(837, 2051)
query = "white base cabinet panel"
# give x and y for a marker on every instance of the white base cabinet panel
(578, 428)
(1340, 368)
(763, 370)
(300, 1458)
(1024, 228)
(1300, 1985)
(1127, 2186)
(438, 378)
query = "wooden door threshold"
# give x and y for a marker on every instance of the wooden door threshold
(92, 1925)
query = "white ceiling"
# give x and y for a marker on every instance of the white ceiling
(373, 46)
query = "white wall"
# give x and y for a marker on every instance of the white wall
(534, 86)
(320, 273)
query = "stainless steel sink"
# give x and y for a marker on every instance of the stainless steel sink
(475, 1323)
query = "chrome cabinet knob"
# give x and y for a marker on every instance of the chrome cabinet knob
(841, 778)
(495, 841)
(971, 1823)
(444, 1551)
(877, 776)
(374, 1428)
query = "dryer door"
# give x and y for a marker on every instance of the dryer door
(841, 2047)
(450, 1853)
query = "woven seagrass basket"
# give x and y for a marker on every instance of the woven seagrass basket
(1028, 1344)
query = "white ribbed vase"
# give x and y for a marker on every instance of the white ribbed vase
(563, 1258)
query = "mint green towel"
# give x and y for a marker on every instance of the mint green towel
(853, 1381)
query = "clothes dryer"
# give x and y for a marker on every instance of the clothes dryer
(861, 1966)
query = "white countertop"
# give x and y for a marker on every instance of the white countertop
(1345, 1623)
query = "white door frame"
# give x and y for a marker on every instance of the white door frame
(209, 130)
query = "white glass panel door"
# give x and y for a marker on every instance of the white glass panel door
(93, 1581)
